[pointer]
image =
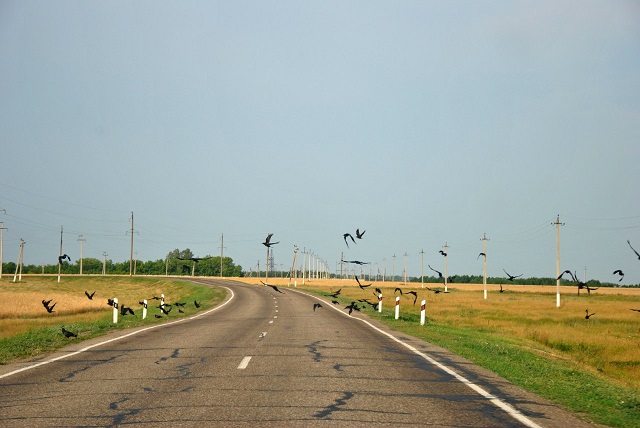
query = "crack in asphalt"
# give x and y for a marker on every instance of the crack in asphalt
(335, 407)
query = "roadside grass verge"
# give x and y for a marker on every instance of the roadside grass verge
(590, 367)
(28, 330)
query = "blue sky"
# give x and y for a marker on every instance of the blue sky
(423, 122)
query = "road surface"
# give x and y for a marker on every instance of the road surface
(264, 358)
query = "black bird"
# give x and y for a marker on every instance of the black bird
(158, 316)
(267, 242)
(443, 253)
(636, 310)
(63, 257)
(195, 259)
(336, 293)
(353, 306)
(512, 277)
(436, 271)
(180, 303)
(110, 302)
(165, 311)
(68, 333)
(637, 254)
(124, 310)
(275, 288)
(358, 262)
(378, 291)
(588, 315)
(362, 287)
(359, 234)
(415, 296)
(155, 298)
(566, 271)
(348, 235)
(50, 308)
(335, 302)
(45, 303)
(181, 311)
(396, 290)
(435, 290)
(316, 305)
(89, 296)
(619, 272)
(196, 304)
(481, 254)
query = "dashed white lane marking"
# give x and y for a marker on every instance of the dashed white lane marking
(271, 322)
(244, 363)
(95, 345)
(508, 408)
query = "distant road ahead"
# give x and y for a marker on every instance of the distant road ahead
(264, 359)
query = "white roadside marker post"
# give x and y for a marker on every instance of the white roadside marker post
(422, 311)
(397, 307)
(380, 302)
(115, 310)
(144, 309)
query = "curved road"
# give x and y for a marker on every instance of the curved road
(264, 358)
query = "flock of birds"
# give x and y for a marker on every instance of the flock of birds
(165, 308)
(353, 306)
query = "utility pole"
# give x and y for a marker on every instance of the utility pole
(266, 269)
(2, 229)
(60, 259)
(446, 274)
(405, 267)
(558, 224)
(135, 263)
(19, 265)
(294, 268)
(393, 268)
(422, 272)
(221, 253)
(81, 240)
(131, 248)
(166, 265)
(104, 263)
(384, 268)
(484, 270)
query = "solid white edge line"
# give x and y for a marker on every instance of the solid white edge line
(508, 408)
(95, 345)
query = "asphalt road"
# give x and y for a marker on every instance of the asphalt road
(264, 358)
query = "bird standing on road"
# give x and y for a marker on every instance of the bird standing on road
(316, 306)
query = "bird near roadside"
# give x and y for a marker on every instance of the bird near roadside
(110, 302)
(397, 289)
(335, 302)
(377, 291)
(50, 308)
(588, 315)
(89, 296)
(68, 333)
(362, 286)
(62, 258)
(163, 310)
(196, 304)
(359, 234)
(353, 306)
(415, 296)
(316, 306)
(512, 277)
(436, 271)
(267, 242)
(45, 303)
(125, 310)
(336, 293)
(619, 272)
(274, 288)
(636, 310)
(158, 316)
(634, 250)
(436, 290)
(562, 274)
(348, 235)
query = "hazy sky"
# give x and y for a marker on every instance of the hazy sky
(424, 123)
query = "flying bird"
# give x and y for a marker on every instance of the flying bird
(195, 259)
(512, 277)
(335, 293)
(443, 253)
(396, 290)
(335, 302)
(316, 305)
(415, 296)
(63, 257)
(636, 310)
(124, 310)
(353, 306)
(619, 272)
(274, 287)
(566, 271)
(378, 291)
(45, 303)
(68, 333)
(89, 296)
(348, 235)
(637, 254)
(50, 308)
(165, 311)
(267, 242)
(359, 234)
(362, 287)
(588, 315)
(358, 262)
(196, 304)
(110, 302)
(436, 271)
(481, 254)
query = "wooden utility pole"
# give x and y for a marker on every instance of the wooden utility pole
(294, 269)
(393, 268)
(558, 224)
(405, 267)
(422, 269)
(19, 265)
(446, 273)
(484, 269)
(104, 263)
(2, 229)
(81, 240)
(221, 253)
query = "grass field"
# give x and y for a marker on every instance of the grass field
(590, 366)
(27, 329)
